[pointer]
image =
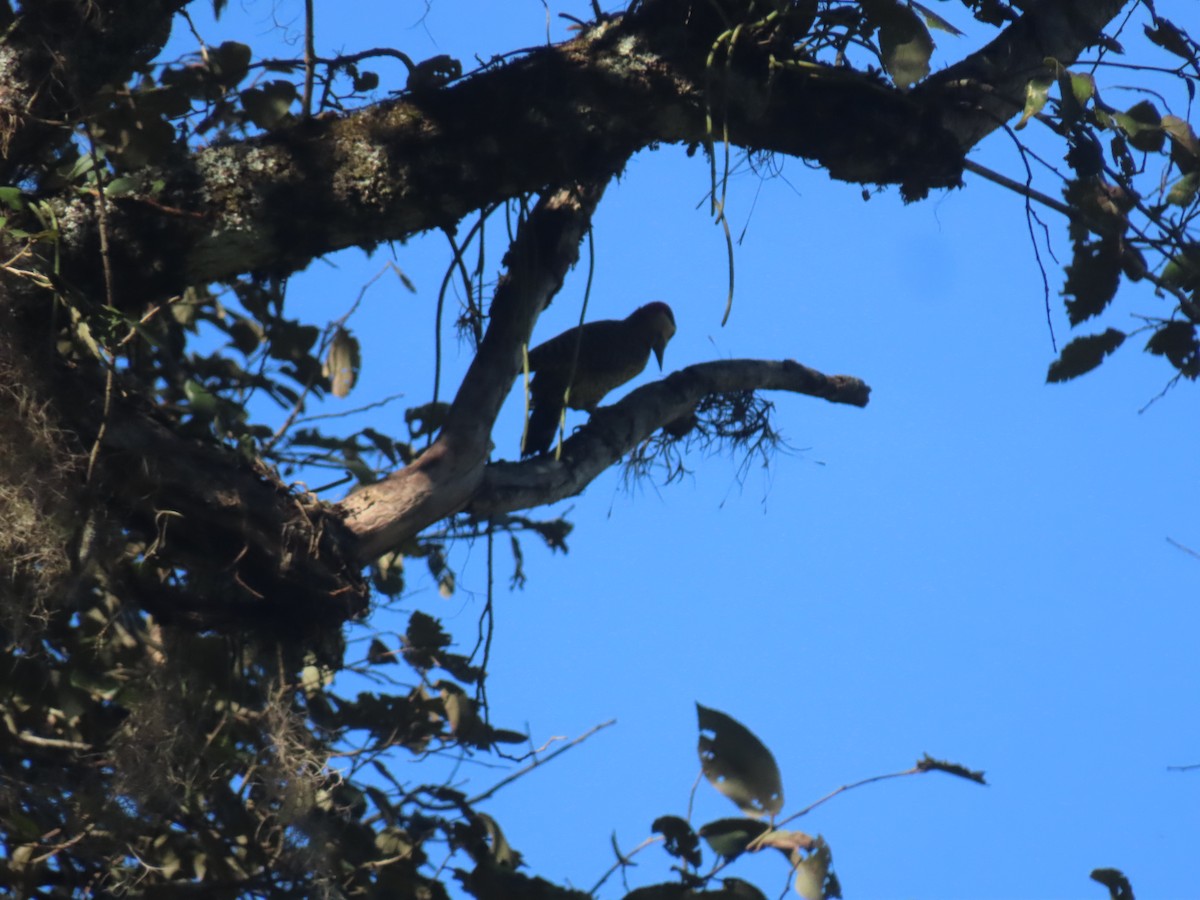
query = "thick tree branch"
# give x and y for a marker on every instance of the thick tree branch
(985, 90)
(557, 115)
(448, 474)
(613, 431)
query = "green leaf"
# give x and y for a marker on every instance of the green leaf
(906, 45)
(1185, 146)
(1183, 270)
(933, 20)
(203, 403)
(1084, 354)
(1037, 91)
(1183, 192)
(738, 764)
(12, 198)
(1143, 124)
(729, 838)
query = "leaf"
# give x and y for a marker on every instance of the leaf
(679, 839)
(1170, 38)
(342, 362)
(935, 21)
(1118, 885)
(1183, 270)
(1084, 354)
(12, 198)
(364, 82)
(906, 46)
(786, 841)
(737, 764)
(730, 838)
(230, 62)
(1037, 91)
(268, 105)
(203, 403)
(1183, 192)
(814, 880)
(502, 854)
(1092, 278)
(1177, 342)
(378, 653)
(1143, 124)
(1185, 146)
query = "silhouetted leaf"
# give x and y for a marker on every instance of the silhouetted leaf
(1177, 342)
(1171, 39)
(679, 839)
(1092, 278)
(1083, 354)
(737, 763)
(1118, 885)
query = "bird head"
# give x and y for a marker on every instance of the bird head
(658, 323)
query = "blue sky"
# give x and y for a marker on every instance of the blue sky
(976, 566)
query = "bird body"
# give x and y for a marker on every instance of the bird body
(580, 366)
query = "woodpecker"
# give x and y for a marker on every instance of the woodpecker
(593, 359)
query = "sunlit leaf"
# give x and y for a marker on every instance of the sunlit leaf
(1037, 91)
(342, 362)
(936, 21)
(814, 879)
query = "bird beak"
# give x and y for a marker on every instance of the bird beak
(659, 346)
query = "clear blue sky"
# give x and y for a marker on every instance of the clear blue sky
(976, 566)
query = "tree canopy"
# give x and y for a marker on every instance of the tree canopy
(173, 601)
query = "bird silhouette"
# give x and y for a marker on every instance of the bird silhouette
(580, 366)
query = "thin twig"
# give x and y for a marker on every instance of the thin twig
(538, 762)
